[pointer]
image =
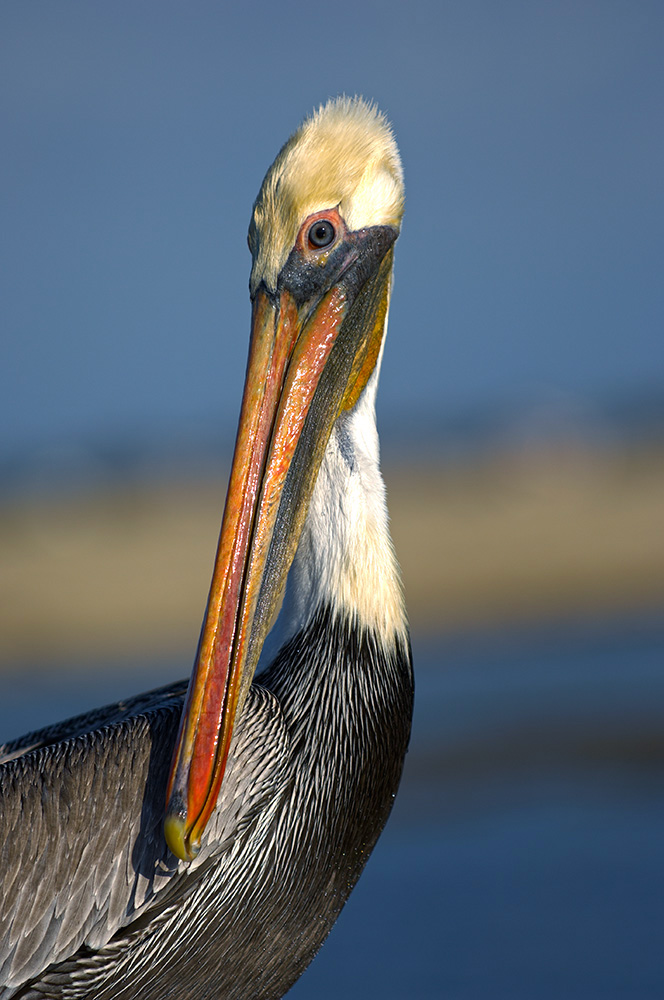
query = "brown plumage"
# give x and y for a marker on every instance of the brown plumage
(94, 904)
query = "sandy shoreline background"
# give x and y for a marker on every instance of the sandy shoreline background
(514, 537)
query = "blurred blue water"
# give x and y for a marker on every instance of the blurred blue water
(524, 855)
(524, 858)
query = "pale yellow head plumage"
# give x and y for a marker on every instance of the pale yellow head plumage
(343, 156)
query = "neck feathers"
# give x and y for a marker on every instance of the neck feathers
(345, 559)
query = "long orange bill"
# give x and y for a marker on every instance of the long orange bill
(289, 350)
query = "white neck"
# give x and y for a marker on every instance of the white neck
(345, 559)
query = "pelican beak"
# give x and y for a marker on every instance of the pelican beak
(314, 344)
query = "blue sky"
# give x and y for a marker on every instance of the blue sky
(136, 135)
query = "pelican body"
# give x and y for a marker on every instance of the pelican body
(199, 842)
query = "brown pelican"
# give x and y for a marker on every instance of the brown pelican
(142, 862)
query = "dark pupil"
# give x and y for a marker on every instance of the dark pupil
(321, 234)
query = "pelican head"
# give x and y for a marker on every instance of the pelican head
(321, 237)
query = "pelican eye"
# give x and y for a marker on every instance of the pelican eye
(321, 234)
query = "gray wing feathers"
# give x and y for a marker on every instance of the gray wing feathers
(70, 817)
(83, 853)
(88, 722)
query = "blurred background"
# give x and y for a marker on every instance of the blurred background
(521, 414)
